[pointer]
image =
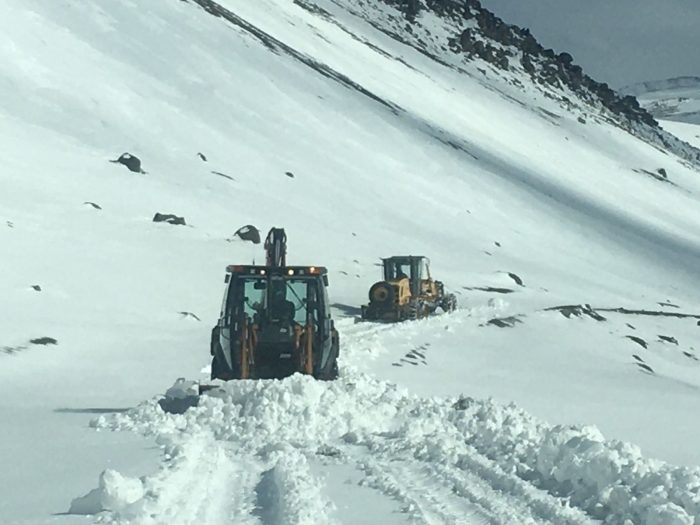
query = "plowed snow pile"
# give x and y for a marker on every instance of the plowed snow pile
(283, 424)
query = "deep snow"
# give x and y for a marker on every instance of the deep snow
(469, 161)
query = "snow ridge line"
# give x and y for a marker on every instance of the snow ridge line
(551, 471)
(273, 44)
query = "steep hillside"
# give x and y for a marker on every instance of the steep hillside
(365, 129)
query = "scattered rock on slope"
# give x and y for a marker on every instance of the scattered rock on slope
(577, 310)
(169, 218)
(44, 341)
(641, 342)
(132, 162)
(248, 233)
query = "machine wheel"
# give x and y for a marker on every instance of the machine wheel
(217, 370)
(381, 293)
(417, 310)
(449, 303)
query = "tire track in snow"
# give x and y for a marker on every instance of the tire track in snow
(425, 503)
(439, 493)
(205, 483)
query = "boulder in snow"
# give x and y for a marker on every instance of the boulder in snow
(132, 162)
(248, 233)
(169, 218)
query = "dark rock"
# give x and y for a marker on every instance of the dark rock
(169, 218)
(506, 322)
(669, 339)
(582, 120)
(517, 279)
(466, 41)
(463, 403)
(96, 206)
(289, 174)
(641, 342)
(178, 405)
(202, 156)
(189, 314)
(36, 287)
(662, 172)
(132, 162)
(577, 310)
(646, 368)
(248, 233)
(565, 59)
(527, 64)
(223, 175)
(489, 289)
(669, 304)
(44, 341)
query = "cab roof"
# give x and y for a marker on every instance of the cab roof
(246, 269)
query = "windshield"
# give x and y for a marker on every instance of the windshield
(277, 299)
(397, 270)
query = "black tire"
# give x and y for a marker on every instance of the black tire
(416, 310)
(217, 370)
(381, 293)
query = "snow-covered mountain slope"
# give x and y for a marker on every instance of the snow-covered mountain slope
(675, 99)
(327, 119)
(690, 133)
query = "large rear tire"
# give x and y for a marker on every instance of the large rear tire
(381, 293)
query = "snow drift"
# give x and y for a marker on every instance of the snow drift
(510, 449)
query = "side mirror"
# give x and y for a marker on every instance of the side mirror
(325, 280)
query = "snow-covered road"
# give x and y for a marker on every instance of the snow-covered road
(300, 451)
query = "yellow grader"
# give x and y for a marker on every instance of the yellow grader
(407, 292)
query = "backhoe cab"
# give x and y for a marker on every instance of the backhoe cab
(275, 320)
(407, 291)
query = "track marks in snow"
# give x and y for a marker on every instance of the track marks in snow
(289, 494)
(205, 482)
(421, 499)
(465, 488)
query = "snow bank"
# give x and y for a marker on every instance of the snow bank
(515, 452)
(610, 480)
(114, 493)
